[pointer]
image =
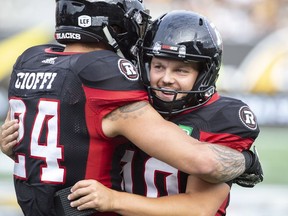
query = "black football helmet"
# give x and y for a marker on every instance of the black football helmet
(186, 36)
(119, 23)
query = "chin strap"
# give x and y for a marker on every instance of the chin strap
(112, 42)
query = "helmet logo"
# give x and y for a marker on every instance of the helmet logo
(159, 47)
(84, 21)
(248, 118)
(128, 69)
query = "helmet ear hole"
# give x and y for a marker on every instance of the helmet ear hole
(117, 29)
(217, 60)
(201, 22)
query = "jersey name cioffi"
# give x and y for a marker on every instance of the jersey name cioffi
(38, 80)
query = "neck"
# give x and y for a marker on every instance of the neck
(84, 47)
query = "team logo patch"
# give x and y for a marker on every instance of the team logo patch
(128, 69)
(248, 118)
(187, 129)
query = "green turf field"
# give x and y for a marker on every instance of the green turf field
(272, 145)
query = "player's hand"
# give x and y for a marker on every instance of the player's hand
(8, 136)
(90, 194)
(254, 173)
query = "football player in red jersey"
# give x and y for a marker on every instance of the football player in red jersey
(76, 104)
(180, 60)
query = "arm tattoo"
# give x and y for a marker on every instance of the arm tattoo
(231, 162)
(132, 110)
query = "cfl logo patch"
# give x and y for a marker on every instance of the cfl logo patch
(248, 118)
(84, 21)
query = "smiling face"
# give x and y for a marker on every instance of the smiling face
(168, 74)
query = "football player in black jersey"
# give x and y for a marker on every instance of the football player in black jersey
(75, 104)
(180, 60)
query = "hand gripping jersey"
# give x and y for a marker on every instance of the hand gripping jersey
(60, 100)
(222, 120)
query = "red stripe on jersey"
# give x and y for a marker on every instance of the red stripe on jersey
(214, 98)
(222, 210)
(101, 148)
(104, 101)
(225, 139)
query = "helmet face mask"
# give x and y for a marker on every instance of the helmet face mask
(118, 23)
(188, 37)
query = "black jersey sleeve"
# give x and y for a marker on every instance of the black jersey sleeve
(234, 123)
(226, 121)
(107, 71)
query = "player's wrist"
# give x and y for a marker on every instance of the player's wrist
(117, 201)
(248, 155)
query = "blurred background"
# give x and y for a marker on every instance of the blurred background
(254, 70)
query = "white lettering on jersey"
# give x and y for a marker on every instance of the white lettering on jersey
(154, 166)
(127, 159)
(35, 80)
(18, 108)
(51, 152)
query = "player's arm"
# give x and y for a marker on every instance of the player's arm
(8, 136)
(201, 198)
(161, 139)
(144, 126)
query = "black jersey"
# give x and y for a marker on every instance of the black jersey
(222, 120)
(60, 100)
